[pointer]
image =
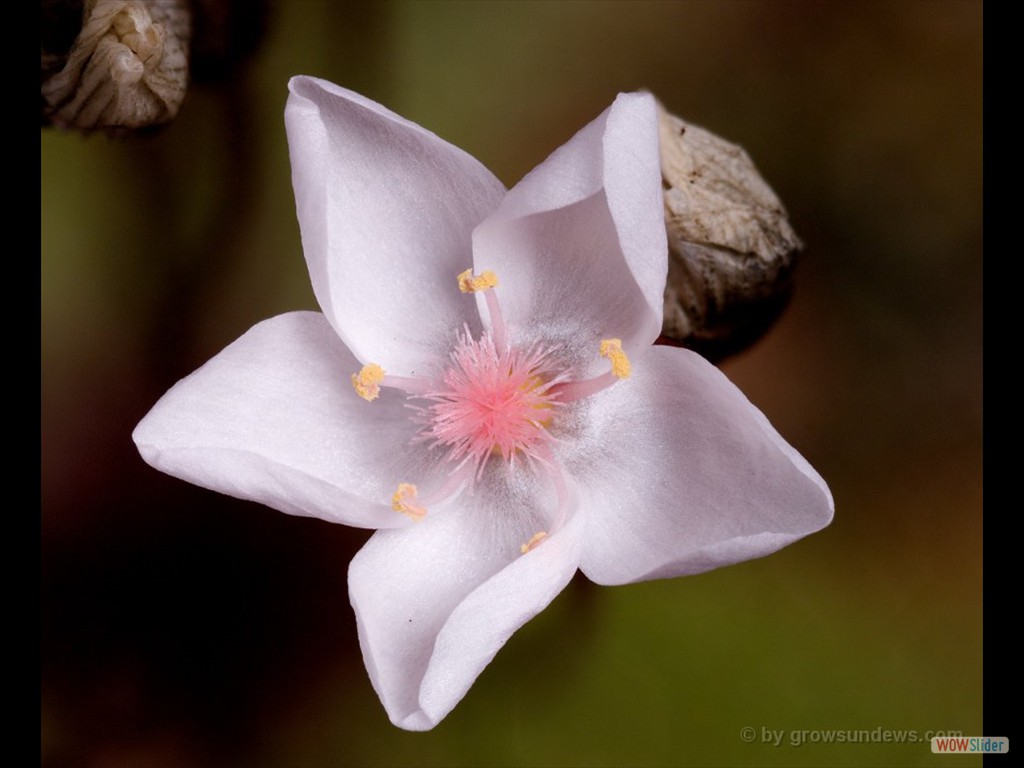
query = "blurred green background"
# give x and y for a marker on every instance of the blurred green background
(183, 627)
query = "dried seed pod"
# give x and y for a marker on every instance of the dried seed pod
(127, 68)
(731, 247)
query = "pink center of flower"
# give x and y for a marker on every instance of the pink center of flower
(493, 400)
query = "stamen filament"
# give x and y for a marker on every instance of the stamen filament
(372, 377)
(561, 490)
(412, 385)
(407, 500)
(486, 281)
(554, 470)
(452, 483)
(572, 391)
(497, 319)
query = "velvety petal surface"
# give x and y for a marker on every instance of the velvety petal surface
(273, 418)
(680, 474)
(606, 179)
(435, 602)
(386, 211)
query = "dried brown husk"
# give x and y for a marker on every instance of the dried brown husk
(731, 247)
(127, 67)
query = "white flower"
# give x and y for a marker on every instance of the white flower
(520, 426)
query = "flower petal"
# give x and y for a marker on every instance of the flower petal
(273, 418)
(608, 178)
(434, 603)
(386, 210)
(683, 474)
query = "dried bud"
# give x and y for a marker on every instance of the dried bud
(731, 248)
(127, 68)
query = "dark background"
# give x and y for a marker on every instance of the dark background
(183, 627)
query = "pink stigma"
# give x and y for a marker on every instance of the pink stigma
(493, 402)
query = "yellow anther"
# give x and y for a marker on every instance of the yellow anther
(404, 500)
(534, 541)
(612, 349)
(367, 382)
(470, 283)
